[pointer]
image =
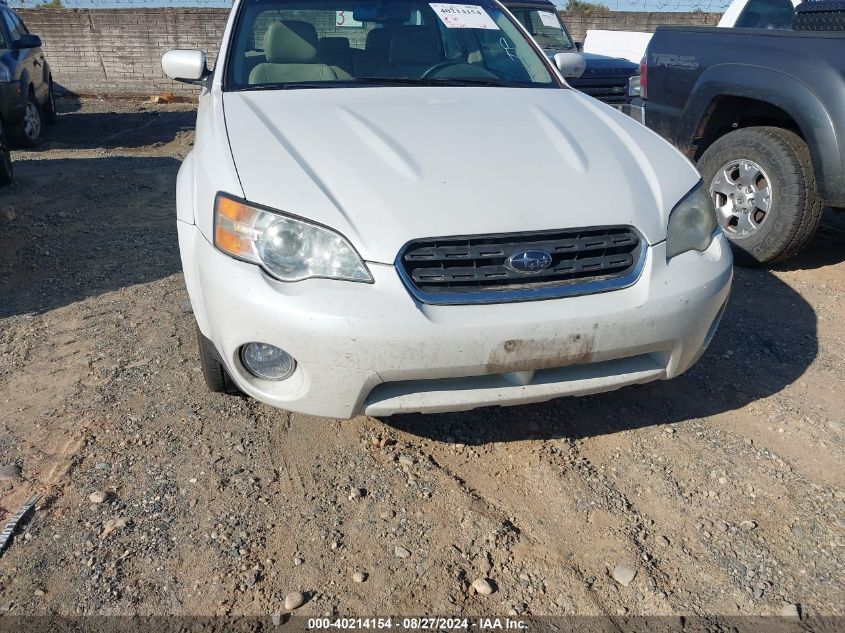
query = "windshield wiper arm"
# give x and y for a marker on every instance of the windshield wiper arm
(473, 81)
(400, 81)
(434, 81)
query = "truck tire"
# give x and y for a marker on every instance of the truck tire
(758, 167)
(216, 377)
(50, 113)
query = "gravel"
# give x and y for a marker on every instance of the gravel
(624, 575)
(294, 600)
(10, 472)
(99, 496)
(482, 586)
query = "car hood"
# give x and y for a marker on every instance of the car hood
(387, 165)
(601, 63)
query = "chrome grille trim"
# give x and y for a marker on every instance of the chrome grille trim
(533, 286)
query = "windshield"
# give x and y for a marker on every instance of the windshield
(546, 28)
(318, 44)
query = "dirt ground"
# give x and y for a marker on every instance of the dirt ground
(723, 490)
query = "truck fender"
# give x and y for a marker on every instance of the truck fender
(782, 91)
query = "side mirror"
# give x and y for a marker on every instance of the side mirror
(579, 46)
(28, 40)
(570, 65)
(185, 64)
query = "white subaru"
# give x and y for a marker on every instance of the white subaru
(401, 206)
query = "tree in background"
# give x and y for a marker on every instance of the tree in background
(582, 6)
(51, 4)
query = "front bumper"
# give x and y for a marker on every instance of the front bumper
(370, 348)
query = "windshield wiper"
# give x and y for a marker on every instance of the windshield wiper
(434, 81)
(384, 81)
(289, 85)
(397, 81)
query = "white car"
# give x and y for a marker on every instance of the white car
(400, 206)
(746, 14)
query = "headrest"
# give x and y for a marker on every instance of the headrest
(378, 40)
(415, 45)
(334, 45)
(290, 41)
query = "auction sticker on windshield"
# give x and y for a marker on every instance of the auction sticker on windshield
(549, 19)
(463, 16)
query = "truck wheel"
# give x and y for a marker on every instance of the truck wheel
(28, 131)
(764, 190)
(6, 174)
(216, 377)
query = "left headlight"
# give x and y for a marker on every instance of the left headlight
(692, 223)
(290, 249)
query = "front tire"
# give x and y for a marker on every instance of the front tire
(216, 377)
(50, 113)
(29, 131)
(764, 189)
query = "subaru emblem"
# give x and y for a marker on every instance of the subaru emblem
(529, 261)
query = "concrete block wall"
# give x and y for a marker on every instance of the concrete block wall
(644, 21)
(118, 51)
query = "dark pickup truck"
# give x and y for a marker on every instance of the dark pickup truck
(762, 113)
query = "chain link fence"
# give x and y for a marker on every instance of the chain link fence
(612, 5)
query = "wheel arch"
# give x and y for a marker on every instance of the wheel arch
(185, 183)
(733, 96)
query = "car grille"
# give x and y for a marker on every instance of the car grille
(473, 269)
(613, 90)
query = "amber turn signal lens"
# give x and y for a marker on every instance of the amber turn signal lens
(234, 233)
(233, 210)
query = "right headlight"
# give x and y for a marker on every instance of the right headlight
(692, 223)
(5, 75)
(289, 248)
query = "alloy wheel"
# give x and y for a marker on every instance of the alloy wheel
(743, 194)
(32, 121)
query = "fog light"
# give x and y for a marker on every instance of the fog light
(267, 361)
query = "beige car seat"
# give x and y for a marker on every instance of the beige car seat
(290, 48)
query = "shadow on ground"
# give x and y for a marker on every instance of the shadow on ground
(826, 248)
(143, 127)
(74, 228)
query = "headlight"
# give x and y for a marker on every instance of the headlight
(5, 75)
(691, 223)
(290, 249)
(635, 88)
